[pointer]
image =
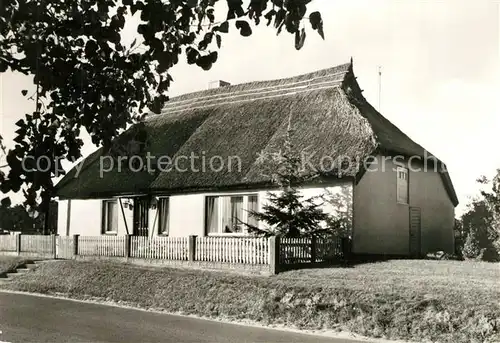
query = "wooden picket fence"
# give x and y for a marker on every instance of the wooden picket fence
(307, 250)
(112, 246)
(252, 252)
(164, 248)
(328, 249)
(232, 250)
(37, 244)
(7, 243)
(295, 250)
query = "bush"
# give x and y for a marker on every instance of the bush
(471, 248)
(473, 251)
(489, 254)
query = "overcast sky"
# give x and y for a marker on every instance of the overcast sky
(440, 72)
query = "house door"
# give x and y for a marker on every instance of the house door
(415, 227)
(141, 216)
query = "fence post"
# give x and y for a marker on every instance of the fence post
(75, 245)
(274, 254)
(128, 240)
(313, 249)
(18, 243)
(54, 245)
(191, 248)
(346, 247)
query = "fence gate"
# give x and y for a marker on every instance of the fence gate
(64, 247)
(415, 231)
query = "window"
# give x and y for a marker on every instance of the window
(110, 216)
(402, 185)
(228, 214)
(163, 216)
(212, 215)
(253, 206)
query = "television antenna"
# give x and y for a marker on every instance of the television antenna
(379, 87)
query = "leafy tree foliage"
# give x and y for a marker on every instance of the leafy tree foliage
(17, 218)
(87, 79)
(481, 223)
(479, 217)
(492, 199)
(460, 236)
(341, 223)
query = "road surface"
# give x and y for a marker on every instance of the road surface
(27, 318)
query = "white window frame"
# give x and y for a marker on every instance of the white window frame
(220, 213)
(105, 215)
(158, 207)
(402, 173)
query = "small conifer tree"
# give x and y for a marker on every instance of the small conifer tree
(288, 213)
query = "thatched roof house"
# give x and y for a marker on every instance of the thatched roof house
(326, 110)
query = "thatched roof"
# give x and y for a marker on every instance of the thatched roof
(325, 109)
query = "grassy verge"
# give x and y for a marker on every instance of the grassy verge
(438, 301)
(8, 263)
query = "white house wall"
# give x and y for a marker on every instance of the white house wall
(187, 215)
(187, 212)
(62, 213)
(85, 218)
(125, 220)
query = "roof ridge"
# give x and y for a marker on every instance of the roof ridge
(255, 90)
(340, 69)
(333, 84)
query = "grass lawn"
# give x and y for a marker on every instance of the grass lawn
(9, 263)
(473, 282)
(438, 301)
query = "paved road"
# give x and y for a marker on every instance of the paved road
(26, 318)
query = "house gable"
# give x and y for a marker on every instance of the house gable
(382, 219)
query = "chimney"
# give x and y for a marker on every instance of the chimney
(218, 84)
